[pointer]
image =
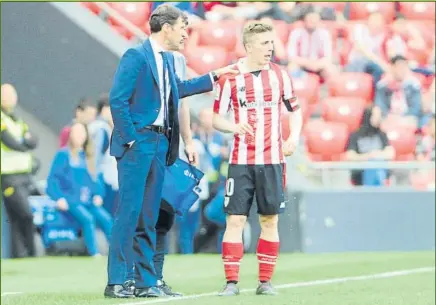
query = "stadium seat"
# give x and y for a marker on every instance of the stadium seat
(223, 34)
(426, 29)
(403, 140)
(352, 84)
(122, 31)
(325, 141)
(418, 10)
(204, 59)
(361, 10)
(347, 110)
(136, 12)
(91, 6)
(307, 88)
(398, 121)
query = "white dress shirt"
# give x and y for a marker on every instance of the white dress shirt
(159, 63)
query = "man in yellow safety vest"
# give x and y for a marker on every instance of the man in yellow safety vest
(16, 170)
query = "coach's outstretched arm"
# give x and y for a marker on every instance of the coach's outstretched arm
(203, 83)
(121, 92)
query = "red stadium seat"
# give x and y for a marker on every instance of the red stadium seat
(136, 12)
(326, 141)
(361, 10)
(403, 139)
(122, 31)
(352, 84)
(91, 6)
(307, 88)
(418, 10)
(223, 34)
(346, 110)
(203, 59)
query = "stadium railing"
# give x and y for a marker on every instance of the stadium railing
(328, 168)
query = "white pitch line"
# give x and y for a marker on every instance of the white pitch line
(10, 293)
(300, 284)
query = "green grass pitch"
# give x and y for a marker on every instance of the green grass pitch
(322, 279)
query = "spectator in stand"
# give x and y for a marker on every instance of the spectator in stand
(100, 131)
(425, 150)
(85, 113)
(428, 104)
(399, 92)
(366, 54)
(369, 143)
(310, 48)
(77, 188)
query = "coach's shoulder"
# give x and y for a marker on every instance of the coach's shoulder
(133, 54)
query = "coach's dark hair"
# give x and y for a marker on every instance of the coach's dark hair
(165, 13)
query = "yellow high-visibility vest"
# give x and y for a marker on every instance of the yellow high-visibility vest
(12, 161)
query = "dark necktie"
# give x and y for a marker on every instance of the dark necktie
(164, 71)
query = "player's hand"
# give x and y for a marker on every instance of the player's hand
(97, 200)
(62, 204)
(289, 148)
(243, 128)
(226, 70)
(192, 154)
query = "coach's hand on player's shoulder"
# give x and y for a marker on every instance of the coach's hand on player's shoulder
(226, 70)
(289, 147)
(243, 128)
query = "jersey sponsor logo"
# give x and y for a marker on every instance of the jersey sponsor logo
(256, 104)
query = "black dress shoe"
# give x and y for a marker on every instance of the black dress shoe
(130, 286)
(118, 292)
(151, 292)
(168, 290)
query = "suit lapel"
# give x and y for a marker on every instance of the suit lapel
(151, 60)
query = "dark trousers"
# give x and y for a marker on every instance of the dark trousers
(163, 226)
(141, 172)
(15, 191)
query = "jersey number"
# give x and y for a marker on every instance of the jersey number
(230, 187)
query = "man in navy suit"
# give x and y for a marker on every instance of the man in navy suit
(144, 101)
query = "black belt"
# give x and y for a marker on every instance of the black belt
(155, 128)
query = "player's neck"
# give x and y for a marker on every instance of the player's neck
(253, 65)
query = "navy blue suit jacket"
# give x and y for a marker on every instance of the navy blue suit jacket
(135, 98)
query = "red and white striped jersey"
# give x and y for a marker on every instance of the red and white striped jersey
(259, 99)
(313, 45)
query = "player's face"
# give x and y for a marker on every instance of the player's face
(400, 69)
(262, 47)
(311, 21)
(176, 35)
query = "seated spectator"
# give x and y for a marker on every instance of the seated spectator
(428, 104)
(77, 188)
(399, 92)
(310, 48)
(366, 54)
(100, 131)
(85, 113)
(369, 143)
(425, 150)
(402, 37)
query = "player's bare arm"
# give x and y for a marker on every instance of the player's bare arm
(224, 125)
(186, 133)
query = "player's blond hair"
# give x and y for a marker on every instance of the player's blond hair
(253, 28)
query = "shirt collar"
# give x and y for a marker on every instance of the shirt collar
(157, 48)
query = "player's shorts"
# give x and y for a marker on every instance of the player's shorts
(266, 182)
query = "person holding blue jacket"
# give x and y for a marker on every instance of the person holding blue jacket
(75, 186)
